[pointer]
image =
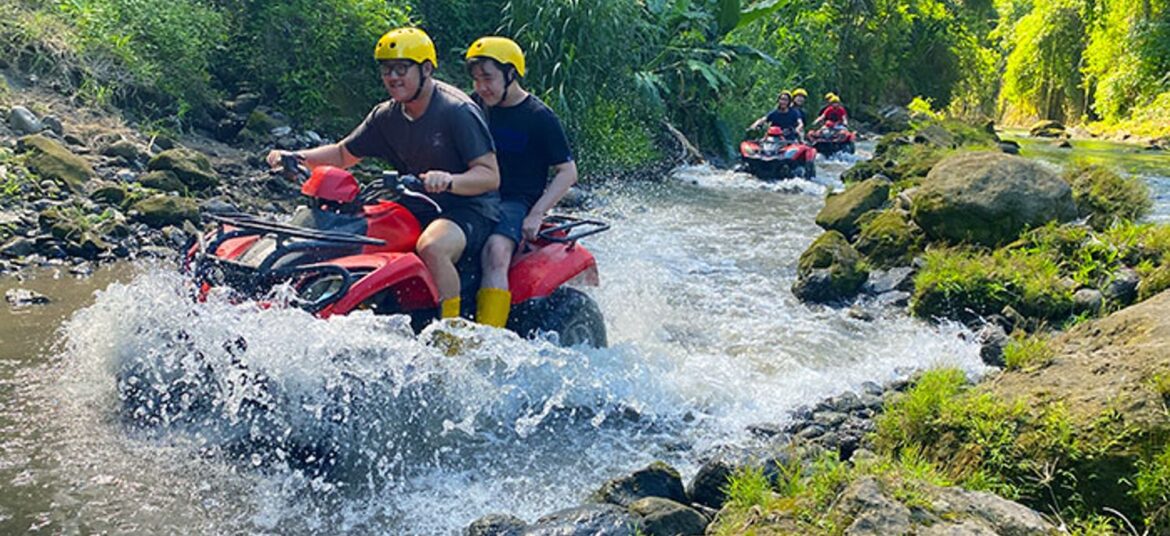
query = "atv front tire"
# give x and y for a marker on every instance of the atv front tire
(810, 170)
(568, 312)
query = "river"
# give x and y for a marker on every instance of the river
(705, 340)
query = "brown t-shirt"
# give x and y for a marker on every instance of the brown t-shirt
(451, 133)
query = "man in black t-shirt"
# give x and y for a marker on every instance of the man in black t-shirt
(435, 131)
(788, 119)
(529, 140)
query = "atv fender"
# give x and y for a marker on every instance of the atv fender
(404, 272)
(538, 273)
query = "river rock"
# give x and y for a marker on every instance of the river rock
(586, 520)
(889, 239)
(19, 297)
(1088, 300)
(496, 525)
(842, 210)
(243, 104)
(1047, 129)
(1122, 289)
(161, 210)
(18, 247)
(709, 485)
(883, 281)
(52, 160)
(110, 193)
(191, 167)
(126, 150)
(993, 339)
(656, 480)
(23, 121)
(829, 271)
(1009, 146)
(53, 124)
(989, 198)
(163, 181)
(664, 517)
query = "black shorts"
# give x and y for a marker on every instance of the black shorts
(475, 226)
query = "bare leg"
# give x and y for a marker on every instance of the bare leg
(495, 259)
(440, 246)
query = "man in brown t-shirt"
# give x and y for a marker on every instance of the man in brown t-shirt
(435, 131)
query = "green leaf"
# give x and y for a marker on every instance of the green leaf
(728, 17)
(758, 11)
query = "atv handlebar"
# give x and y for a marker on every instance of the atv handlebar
(409, 186)
(292, 167)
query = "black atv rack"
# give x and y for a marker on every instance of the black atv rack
(569, 229)
(255, 281)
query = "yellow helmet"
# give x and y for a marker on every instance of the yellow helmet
(406, 44)
(832, 97)
(501, 49)
(799, 92)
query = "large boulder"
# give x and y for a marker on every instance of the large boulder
(889, 239)
(989, 198)
(51, 160)
(586, 520)
(1047, 129)
(664, 517)
(842, 210)
(829, 271)
(162, 210)
(191, 167)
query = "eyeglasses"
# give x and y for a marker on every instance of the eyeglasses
(397, 68)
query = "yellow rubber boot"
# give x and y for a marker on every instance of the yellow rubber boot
(492, 306)
(450, 307)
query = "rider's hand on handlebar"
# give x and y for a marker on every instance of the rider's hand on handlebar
(274, 157)
(437, 181)
(530, 226)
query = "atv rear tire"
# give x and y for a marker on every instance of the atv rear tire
(568, 312)
(810, 170)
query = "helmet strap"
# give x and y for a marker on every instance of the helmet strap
(422, 82)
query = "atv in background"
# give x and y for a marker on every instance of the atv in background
(778, 155)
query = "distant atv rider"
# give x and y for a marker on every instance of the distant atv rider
(788, 119)
(430, 129)
(529, 140)
(799, 96)
(833, 112)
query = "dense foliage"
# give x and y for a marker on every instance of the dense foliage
(615, 69)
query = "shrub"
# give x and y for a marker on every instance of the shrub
(1029, 352)
(1152, 488)
(961, 283)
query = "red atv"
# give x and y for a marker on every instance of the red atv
(350, 250)
(832, 138)
(778, 156)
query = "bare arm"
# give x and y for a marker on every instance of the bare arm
(565, 176)
(334, 154)
(482, 176)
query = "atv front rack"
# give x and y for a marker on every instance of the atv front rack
(256, 281)
(569, 229)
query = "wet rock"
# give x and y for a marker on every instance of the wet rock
(191, 167)
(656, 480)
(664, 517)
(993, 339)
(23, 121)
(1123, 289)
(162, 210)
(19, 297)
(53, 124)
(218, 205)
(156, 252)
(811, 432)
(1088, 300)
(163, 181)
(894, 298)
(988, 198)
(108, 193)
(1063, 144)
(710, 482)
(586, 520)
(281, 131)
(842, 211)
(829, 271)
(18, 247)
(871, 388)
(1009, 147)
(829, 419)
(126, 150)
(889, 239)
(496, 525)
(83, 269)
(858, 312)
(243, 104)
(52, 160)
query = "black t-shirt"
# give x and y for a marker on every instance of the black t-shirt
(529, 140)
(803, 114)
(787, 119)
(451, 133)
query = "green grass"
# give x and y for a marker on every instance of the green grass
(1027, 353)
(959, 283)
(1105, 196)
(1152, 488)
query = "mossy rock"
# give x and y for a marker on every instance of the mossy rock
(1154, 282)
(191, 167)
(890, 238)
(164, 181)
(1105, 197)
(110, 193)
(989, 198)
(842, 210)
(1047, 129)
(162, 210)
(830, 270)
(51, 160)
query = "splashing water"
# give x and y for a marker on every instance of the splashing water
(165, 415)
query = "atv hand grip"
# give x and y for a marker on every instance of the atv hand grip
(412, 183)
(291, 168)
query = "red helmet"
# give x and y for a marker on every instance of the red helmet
(331, 184)
(775, 131)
